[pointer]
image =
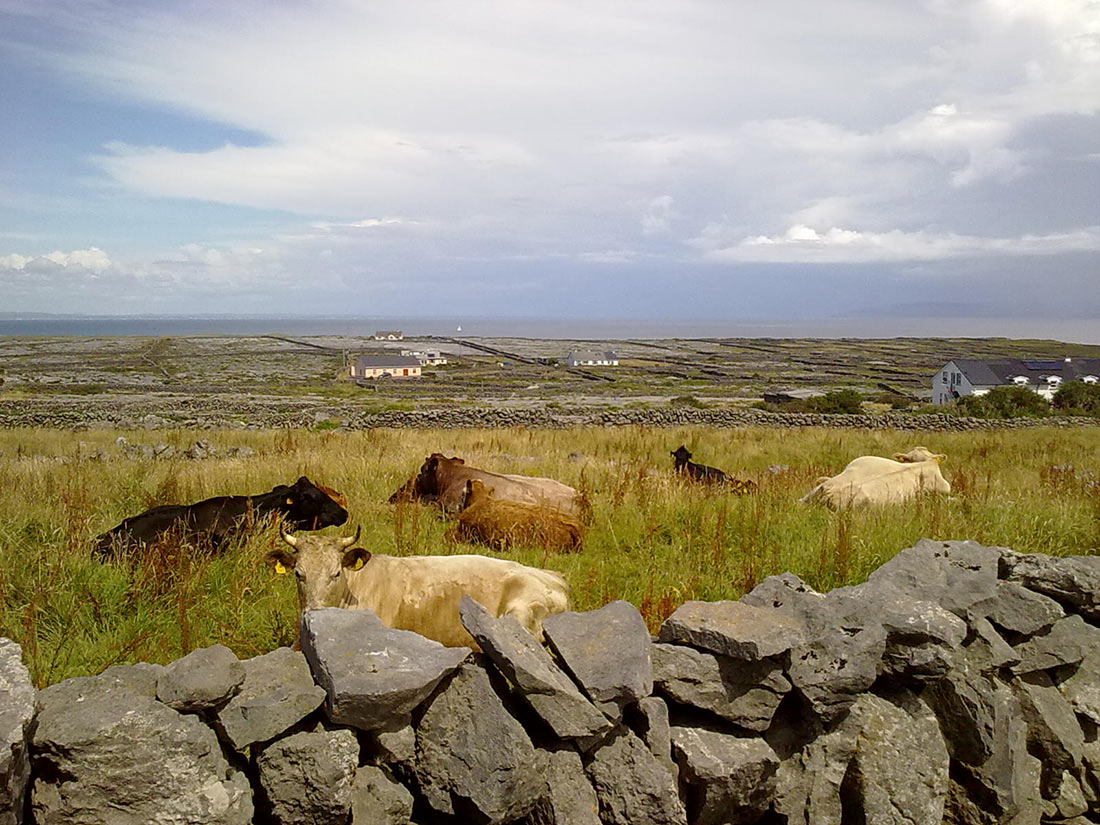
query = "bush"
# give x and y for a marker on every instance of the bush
(1077, 398)
(837, 402)
(686, 401)
(1004, 402)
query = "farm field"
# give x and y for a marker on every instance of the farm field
(654, 539)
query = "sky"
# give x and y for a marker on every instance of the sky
(589, 159)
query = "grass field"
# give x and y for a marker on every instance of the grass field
(654, 540)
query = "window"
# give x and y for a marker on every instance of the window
(945, 376)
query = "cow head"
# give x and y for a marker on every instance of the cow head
(430, 480)
(308, 507)
(918, 454)
(681, 455)
(319, 564)
(475, 491)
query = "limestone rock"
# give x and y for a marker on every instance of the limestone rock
(1082, 688)
(649, 719)
(379, 799)
(395, 745)
(16, 712)
(953, 574)
(1053, 730)
(1019, 610)
(834, 666)
(986, 650)
(607, 651)
(277, 693)
(730, 779)
(372, 675)
(899, 772)
(735, 629)
(473, 759)
(745, 693)
(1073, 582)
(202, 679)
(571, 800)
(104, 751)
(811, 773)
(1065, 643)
(786, 592)
(632, 787)
(527, 665)
(307, 776)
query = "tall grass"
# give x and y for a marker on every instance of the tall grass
(653, 539)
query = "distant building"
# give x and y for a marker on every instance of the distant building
(967, 376)
(378, 366)
(590, 358)
(389, 335)
(427, 358)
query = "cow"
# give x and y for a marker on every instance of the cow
(871, 479)
(211, 522)
(500, 524)
(708, 475)
(918, 454)
(418, 593)
(443, 480)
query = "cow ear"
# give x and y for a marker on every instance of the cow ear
(355, 558)
(281, 560)
(939, 456)
(458, 460)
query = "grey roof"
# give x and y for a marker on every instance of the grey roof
(382, 361)
(994, 373)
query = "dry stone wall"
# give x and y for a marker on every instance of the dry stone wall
(959, 684)
(216, 413)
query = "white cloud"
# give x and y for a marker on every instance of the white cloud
(803, 244)
(93, 260)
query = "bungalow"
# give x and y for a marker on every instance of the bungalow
(590, 358)
(427, 358)
(966, 376)
(389, 335)
(378, 366)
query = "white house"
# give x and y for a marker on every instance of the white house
(389, 335)
(967, 376)
(589, 358)
(427, 358)
(378, 366)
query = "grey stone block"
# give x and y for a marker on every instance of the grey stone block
(16, 712)
(307, 776)
(607, 651)
(373, 676)
(473, 759)
(205, 678)
(731, 780)
(379, 799)
(735, 629)
(1073, 582)
(745, 693)
(632, 787)
(1018, 610)
(527, 665)
(277, 693)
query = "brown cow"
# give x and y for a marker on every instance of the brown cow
(443, 480)
(500, 524)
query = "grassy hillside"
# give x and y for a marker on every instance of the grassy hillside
(654, 540)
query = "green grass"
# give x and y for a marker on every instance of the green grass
(654, 540)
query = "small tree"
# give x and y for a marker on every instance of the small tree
(1077, 398)
(837, 402)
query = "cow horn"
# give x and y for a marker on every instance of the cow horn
(289, 539)
(348, 541)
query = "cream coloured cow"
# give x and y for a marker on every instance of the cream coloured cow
(419, 593)
(871, 479)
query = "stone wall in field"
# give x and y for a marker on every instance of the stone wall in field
(214, 413)
(960, 684)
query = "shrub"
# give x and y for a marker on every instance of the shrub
(1005, 402)
(1077, 398)
(686, 401)
(837, 402)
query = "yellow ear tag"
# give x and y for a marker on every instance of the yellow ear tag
(358, 564)
(289, 500)
(280, 568)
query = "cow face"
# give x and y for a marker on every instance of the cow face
(319, 564)
(681, 455)
(429, 481)
(307, 507)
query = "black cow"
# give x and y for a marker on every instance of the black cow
(303, 505)
(698, 472)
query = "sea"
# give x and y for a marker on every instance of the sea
(1085, 331)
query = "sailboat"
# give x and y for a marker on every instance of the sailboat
(459, 328)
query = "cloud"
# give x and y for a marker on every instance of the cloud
(803, 244)
(92, 260)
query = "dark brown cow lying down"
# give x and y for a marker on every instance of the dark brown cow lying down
(304, 506)
(443, 480)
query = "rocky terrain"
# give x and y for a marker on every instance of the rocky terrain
(958, 684)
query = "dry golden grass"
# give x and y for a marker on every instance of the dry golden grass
(655, 540)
